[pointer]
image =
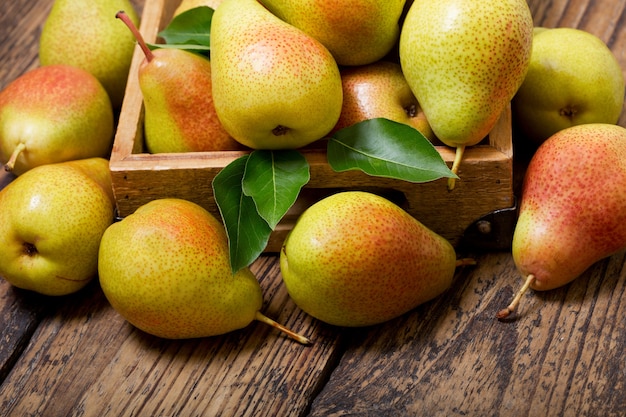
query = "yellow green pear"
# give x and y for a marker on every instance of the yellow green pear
(464, 61)
(357, 259)
(179, 114)
(274, 86)
(86, 34)
(166, 270)
(186, 5)
(51, 223)
(380, 90)
(572, 206)
(53, 114)
(573, 78)
(356, 32)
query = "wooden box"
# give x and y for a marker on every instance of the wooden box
(485, 183)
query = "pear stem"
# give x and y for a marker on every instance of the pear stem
(505, 312)
(458, 156)
(465, 262)
(140, 40)
(299, 338)
(16, 152)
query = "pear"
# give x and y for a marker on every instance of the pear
(179, 115)
(274, 86)
(464, 61)
(356, 32)
(51, 223)
(380, 90)
(357, 259)
(572, 206)
(53, 114)
(573, 78)
(165, 269)
(86, 34)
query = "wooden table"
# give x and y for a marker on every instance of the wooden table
(562, 356)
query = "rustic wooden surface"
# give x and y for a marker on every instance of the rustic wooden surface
(560, 357)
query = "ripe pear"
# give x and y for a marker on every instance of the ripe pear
(274, 86)
(165, 269)
(179, 115)
(572, 208)
(464, 61)
(356, 32)
(51, 223)
(53, 114)
(380, 90)
(86, 34)
(357, 259)
(573, 78)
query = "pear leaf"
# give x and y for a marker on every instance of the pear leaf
(248, 233)
(189, 30)
(384, 148)
(273, 179)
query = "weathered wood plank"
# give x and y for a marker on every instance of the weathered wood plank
(452, 357)
(86, 360)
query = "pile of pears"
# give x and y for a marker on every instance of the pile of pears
(282, 74)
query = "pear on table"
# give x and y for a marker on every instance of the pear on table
(179, 115)
(51, 223)
(274, 86)
(464, 61)
(572, 208)
(84, 34)
(166, 270)
(53, 114)
(357, 259)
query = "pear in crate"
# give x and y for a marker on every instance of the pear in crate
(51, 223)
(274, 86)
(572, 208)
(86, 34)
(356, 32)
(464, 61)
(179, 115)
(380, 90)
(53, 114)
(166, 270)
(357, 259)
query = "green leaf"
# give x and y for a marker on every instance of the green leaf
(273, 179)
(248, 233)
(384, 148)
(190, 29)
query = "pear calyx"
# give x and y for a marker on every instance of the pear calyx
(297, 337)
(506, 312)
(140, 40)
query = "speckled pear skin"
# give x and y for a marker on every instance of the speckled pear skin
(464, 61)
(355, 32)
(166, 270)
(356, 259)
(179, 111)
(51, 222)
(59, 113)
(573, 204)
(86, 34)
(274, 87)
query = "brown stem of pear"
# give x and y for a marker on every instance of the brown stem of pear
(465, 262)
(299, 338)
(505, 312)
(458, 156)
(140, 40)
(16, 152)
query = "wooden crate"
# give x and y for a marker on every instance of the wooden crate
(485, 174)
